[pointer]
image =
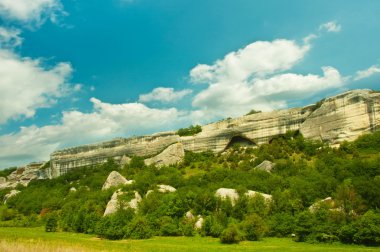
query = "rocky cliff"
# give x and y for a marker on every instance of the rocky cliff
(333, 120)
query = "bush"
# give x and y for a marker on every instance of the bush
(230, 235)
(253, 227)
(190, 131)
(139, 228)
(51, 224)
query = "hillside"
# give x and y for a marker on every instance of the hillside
(288, 186)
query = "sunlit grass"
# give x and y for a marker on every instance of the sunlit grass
(35, 239)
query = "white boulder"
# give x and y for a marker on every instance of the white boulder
(115, 179)
(227, 193)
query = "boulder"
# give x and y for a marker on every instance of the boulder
(73, 189)
(171, 155)
(265, 166)
(227, 193)
(125, 160)
(327, 201)
(199, 223)
(189, 215)
(115, 179)
(114, 203)
(166, 188)
(10, 195)
(251, 194)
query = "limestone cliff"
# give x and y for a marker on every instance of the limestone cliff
(339, 118)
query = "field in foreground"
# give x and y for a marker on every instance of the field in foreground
(35, 239)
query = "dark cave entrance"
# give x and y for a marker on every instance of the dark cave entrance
(240, 141)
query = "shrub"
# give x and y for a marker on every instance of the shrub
(51, 224)
(190, 131)
(230, 235)
(253, 227)
(139, 228)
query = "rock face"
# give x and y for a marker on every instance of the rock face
(265, 166)
(115, 179)
(171, 155)
(10, 195)
(23, 175)
(328, 202)
(342, 117)
(114, 203)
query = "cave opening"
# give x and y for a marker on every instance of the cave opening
(240, 141)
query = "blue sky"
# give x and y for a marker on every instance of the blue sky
(75, 72)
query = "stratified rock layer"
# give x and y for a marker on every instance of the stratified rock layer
(339, 118)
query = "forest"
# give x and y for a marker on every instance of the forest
(305, 173)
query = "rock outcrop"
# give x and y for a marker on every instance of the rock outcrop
(115, 203)
(11, 194)
(265, 166)
(333, 120)
(329, 202)
(171, 155)
(251, 194)
(23, 175)
(115, 179)
(227, 193)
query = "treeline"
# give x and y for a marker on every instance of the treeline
(305, 173)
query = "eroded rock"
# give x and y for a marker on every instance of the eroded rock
(227, 193)
(11, 194)
(171, 155)
(251, 194)
(115, 204)
(115, 179)
(265, 166)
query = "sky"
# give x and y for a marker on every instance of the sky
(76, 72)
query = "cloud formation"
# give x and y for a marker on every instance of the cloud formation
(26, 85)
(367, 72)
(104, 122)
(331, 26)
(165, 95)
(10, 37)
(34, 12)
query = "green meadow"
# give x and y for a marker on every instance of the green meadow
(36, 239)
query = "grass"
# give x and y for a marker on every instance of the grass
(35, 239)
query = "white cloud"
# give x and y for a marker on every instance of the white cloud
(331, 26)
(103, 123)
(33, 12)
(255, 77)
(367, 72)
(10, 37)
(26, 85)
(259, 58)
(165, 95)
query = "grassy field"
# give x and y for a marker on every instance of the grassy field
(35, 239)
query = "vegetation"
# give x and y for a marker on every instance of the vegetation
(6, 172)
(305, 172)
(252, 111)
(190, 131)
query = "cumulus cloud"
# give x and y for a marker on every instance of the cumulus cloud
(259, 58)
(367, 72)
(26, 85)
(33, 12)
(10, 37)
(331, 26)
(164, 95)
(103, 123)
(258, 77)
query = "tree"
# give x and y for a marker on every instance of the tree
(51, 224)
(253, 227)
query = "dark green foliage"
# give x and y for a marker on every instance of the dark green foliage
(252, 111)
(190, 131)
(6, 172)
(139, 228)
(230, 235)
(51, 224)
